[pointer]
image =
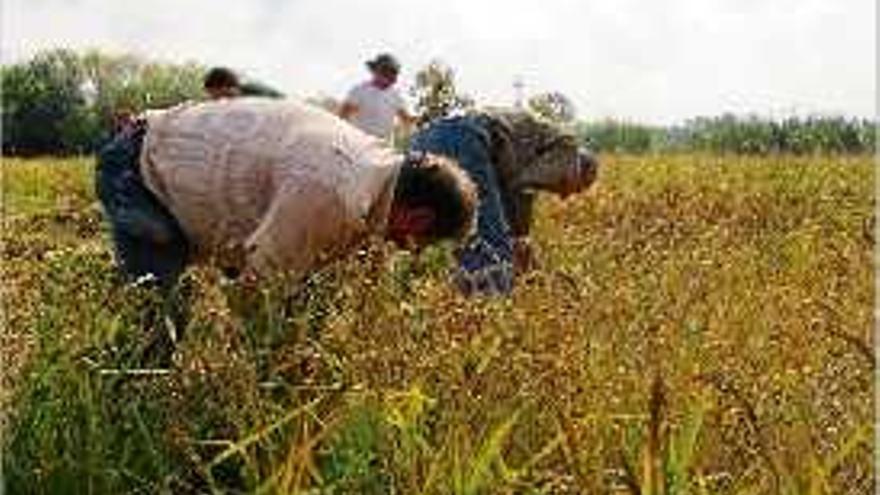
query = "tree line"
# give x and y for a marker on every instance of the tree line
(732, 134)
(64, 102)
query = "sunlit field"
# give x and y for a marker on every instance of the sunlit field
(696, 325)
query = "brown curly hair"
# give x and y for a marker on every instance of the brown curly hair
(438, 183)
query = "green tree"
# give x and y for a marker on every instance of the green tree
(61, 102)
(42, 102)
(619, 137)
(127, 82)
(553, 106)
(436, 92)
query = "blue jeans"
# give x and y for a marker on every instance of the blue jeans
(148, 240)
(486, 260)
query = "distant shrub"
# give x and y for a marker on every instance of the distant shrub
(620, 137)
(747, 135)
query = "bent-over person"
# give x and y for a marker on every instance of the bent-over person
(261, 187)
(511, 155)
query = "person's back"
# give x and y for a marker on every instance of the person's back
(234, 171)
(510, 154)
(261, 188)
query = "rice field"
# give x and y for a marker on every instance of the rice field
(697, 324)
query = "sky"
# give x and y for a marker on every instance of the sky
(650, 61)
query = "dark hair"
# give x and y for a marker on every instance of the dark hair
(438, 183)
(385, 63)
(220, 77)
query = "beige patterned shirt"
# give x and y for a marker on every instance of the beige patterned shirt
(268, 185)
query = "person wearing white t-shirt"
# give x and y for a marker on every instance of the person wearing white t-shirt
(375, 106)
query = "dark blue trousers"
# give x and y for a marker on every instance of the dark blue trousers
(148, 240)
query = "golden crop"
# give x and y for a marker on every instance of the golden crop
(697, 324)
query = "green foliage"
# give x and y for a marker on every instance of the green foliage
(61, 102)
(737, 135)
(553, 106)
(352, 461)
(436, 92)
(105, 432)
(478, 475)
(42, 103)
(619, 137)
(752, 135)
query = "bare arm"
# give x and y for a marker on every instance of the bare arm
(406, 119)
(347, 110)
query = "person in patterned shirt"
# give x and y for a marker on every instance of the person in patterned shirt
(510, 155)
(263, 187)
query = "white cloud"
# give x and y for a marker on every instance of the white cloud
(637, 59)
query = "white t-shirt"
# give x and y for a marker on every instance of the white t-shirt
(376, 108)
